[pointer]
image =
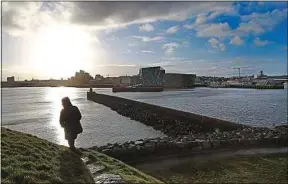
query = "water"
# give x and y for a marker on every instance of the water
(36, 111)
(248, 106)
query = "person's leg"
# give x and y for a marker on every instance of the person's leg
(71, 140)
(71, 143)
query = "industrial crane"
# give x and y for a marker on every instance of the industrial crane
(239, 69)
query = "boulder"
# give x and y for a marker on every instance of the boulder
(149, 147)
(109, 178)
(216, 144)
(131, 149)
(139, 143)
(253, 141)
(116, 150)
(180, 145)
(161, 145)
(206, 144)
(95, 168)
(106, 151)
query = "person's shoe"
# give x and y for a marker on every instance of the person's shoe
(75, 150)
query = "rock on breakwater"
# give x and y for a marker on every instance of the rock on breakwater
(193, 143)
(171, 122)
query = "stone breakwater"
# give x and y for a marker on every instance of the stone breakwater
(169, 121)
(187, 133)
(152, 148)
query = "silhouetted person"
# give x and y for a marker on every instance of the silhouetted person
(70, 117)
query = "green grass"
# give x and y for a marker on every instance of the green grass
(113, 166)
(246, 169)
(28, 159)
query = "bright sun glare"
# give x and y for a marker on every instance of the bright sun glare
(55, 96)
(60, 51)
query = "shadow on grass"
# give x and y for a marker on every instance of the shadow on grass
(72, 168)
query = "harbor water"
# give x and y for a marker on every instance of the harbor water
(36, 111)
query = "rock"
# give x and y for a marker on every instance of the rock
(234, 142)
(244, 142)
(85, 159)
(253, 141)
(206, 144)
(103, 147)
(149, 147)
(106, 151)
(109, 178)
(131, 148)
(224, 143)
(95, 148)
(116, 150)
(161, 145)
(140, 143)
(180, 145)
(191, 144)
(276, 140)
(216, 144)
(95, 168)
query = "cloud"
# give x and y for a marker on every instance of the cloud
(116, 65)
(147, 51)
(259, 42)
(132, 45)
(149, 39)
(21, 17)
(255, 23)
(169, 48)
(236, 40)
(100, 15)
(201, 18)
(284, 48)
(258, 23)
(211, 14)
(216, 30)
(222, 46)
(172, 30)
(249, 27)
(146, 28)
(216, 44)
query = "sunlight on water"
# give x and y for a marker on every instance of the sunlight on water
(55, 95)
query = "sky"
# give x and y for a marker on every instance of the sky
(55, 39)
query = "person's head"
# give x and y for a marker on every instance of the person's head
(66, 102)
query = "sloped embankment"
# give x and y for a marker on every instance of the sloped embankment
(29, 159)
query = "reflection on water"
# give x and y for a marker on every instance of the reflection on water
(55, 96)
(37, 110)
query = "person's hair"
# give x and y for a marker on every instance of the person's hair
(66, 101)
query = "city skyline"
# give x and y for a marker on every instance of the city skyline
(204, 38)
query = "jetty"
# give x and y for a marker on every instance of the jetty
(187, 133)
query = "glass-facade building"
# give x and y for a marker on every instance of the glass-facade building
(152, 76)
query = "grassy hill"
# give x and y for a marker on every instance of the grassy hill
(270, 168)
(29, 159)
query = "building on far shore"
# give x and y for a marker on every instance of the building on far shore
(10, 79)
(179, 80)
(152, 76)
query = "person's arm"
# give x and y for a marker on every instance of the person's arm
(62, 119)
(79, 116)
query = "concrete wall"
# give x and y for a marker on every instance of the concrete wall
(178, 80)
(173, 80)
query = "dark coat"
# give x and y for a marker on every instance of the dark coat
(70, 121)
